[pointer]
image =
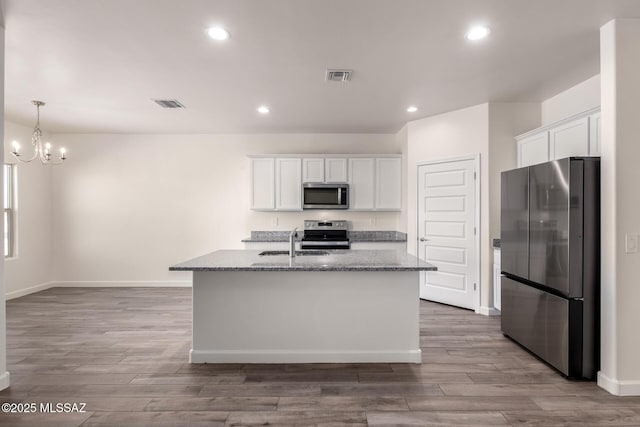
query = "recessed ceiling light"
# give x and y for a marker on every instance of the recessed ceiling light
(218, 33)
(412, 109)
(263, 109)
(478, 33)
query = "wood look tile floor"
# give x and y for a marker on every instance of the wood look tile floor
(124, 352)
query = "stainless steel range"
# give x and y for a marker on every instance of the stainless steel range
(325, 235)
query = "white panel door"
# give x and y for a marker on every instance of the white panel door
(361, 183)
(289, 184)
(262, 184)
(388, 184)
(533, 149)
(335, 170)
(595, 131)
(446, 232)
(570, 139)
(313, 170)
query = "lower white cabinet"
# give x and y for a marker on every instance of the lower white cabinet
(288, 184)
(388, 246)
(497, 299)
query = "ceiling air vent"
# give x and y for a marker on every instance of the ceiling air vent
(338, 75)
(168, 103)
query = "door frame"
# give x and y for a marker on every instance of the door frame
(477, 217)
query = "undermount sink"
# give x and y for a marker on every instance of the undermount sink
(298, 253)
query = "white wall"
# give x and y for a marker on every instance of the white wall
(488, 130)
(402, 141)
(459, 133)
(620, 293)
(574, 100)
(4, 374)
(30, 268)
(129, 206)
(505, 121)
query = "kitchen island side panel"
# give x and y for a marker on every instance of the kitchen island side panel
(305, 317)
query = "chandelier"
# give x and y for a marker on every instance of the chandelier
(40, 151)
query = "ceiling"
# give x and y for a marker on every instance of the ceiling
(99, 63)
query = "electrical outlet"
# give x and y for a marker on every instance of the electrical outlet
(373, 220)
(274, 221)
(631, 243)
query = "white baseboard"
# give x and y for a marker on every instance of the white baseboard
(123, 284)
(99, 284)
(296, 356)
(4, 380)
(619, 387)
(30, 290)
(489, 311)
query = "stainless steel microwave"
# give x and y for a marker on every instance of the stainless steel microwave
(325, 196)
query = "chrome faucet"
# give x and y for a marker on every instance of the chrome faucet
(292, 242)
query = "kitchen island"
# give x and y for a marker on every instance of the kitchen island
(348, 306)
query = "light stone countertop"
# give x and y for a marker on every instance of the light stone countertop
(354, 236)
(337, 260)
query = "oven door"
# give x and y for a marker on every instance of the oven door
(325, 196)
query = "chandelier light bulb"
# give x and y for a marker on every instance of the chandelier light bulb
(41, 150)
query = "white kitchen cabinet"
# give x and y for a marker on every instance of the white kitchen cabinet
(262, 184)
(288, 184)
(361, 183)
(335, 170)
(388, 195)
(595, 132)
(313, 169)
(570, 139)
(578, 135)
(497, 298)
(388, 246)
(533, 149)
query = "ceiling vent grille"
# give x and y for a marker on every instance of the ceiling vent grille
(168, 103)
(341, 76)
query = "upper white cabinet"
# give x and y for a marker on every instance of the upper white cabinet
(361, 183)
(335, 169)
(595, 133)
(578, 135)
(330, 170)
(570, 139)
(375, 182)
(313, 169)
(288, 184)
(533, 149)
(262, 184)
(388, 184)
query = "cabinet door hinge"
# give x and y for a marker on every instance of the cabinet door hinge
(475, 286)
(474, 231)
(474, 176)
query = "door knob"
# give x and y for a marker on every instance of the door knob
(422, 239)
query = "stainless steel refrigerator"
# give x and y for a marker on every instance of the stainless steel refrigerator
(550, 258)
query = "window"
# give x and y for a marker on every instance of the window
(9, 231)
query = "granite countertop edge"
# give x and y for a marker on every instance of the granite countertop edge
(355, 236)
(304, 268)
(338, 260)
